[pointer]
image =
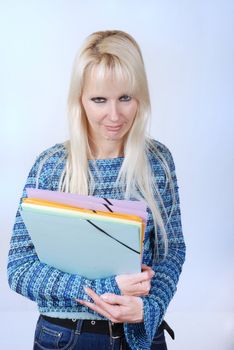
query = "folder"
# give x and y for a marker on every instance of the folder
(54, 195)
(138, 208)
(93, 244)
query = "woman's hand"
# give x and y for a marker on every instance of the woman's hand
(137, 284)
(117, 308)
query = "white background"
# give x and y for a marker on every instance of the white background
(189, 52)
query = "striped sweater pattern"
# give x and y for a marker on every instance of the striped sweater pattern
(55, 291)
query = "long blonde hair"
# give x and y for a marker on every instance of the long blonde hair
(116, 52)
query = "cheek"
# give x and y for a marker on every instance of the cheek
(93, 115)
(93, 120)
(132, 112)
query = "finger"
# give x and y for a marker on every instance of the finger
(107, 310)
(139, 289)
(110, 303)
(107, 303)
(146, 267)
(141, 276)
(96, 298)
(115, 299)
(98, 305)
(107, 297)
(90, 292)
(96, 308)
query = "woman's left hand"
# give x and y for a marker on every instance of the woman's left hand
(117, 308)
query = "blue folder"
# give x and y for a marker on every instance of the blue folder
(91, 247)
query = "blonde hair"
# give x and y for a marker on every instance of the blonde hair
(116, 52)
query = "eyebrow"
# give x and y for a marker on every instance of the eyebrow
(104, 96)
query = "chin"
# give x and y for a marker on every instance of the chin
(113, 138)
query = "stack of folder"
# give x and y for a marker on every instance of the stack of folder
(86, 235)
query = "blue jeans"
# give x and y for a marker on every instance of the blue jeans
(49, 336)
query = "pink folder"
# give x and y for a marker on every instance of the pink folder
(138, 208)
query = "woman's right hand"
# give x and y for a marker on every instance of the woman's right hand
(136, 284)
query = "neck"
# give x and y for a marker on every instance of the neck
(106, 149)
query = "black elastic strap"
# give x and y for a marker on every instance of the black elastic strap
(107, 207)
(115, 239)
(108, 201)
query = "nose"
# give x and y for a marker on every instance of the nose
(114, 111)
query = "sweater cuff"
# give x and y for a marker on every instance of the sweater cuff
(112, 286)
(105, 285)
(152, 317)
(142, 334)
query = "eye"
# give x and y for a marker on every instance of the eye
(98, 99)
(125, 98)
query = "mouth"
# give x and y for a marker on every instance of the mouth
(113, 128)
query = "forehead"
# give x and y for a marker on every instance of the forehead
(99, 79)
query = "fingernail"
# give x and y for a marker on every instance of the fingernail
(79, 301)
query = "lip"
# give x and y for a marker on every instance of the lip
(113, 128)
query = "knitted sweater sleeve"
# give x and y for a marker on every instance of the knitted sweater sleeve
(167, 272)
(34, 279)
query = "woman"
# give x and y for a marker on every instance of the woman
(108, 155)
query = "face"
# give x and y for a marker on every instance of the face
(110, 110)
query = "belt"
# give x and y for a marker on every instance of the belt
(89, 326)
(101, 326)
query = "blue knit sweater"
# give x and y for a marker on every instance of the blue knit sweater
(54, 290)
